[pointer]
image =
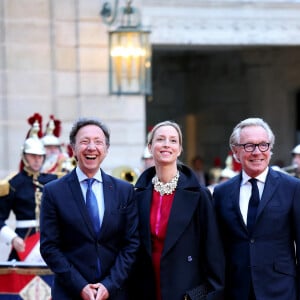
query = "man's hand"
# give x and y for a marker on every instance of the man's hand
(18, 244)
(89, 292)
(102, 293)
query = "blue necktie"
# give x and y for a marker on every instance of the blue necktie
(92, 205)
(253, 205)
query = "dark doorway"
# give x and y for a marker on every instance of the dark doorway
(208, 91)
(298, 117)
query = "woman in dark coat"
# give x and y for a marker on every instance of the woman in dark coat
(180, 243)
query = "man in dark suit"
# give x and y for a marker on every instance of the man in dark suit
(262, 240)
(91, 257)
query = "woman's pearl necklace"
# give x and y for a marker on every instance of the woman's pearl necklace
(165, 188)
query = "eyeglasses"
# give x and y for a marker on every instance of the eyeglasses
(249, 147)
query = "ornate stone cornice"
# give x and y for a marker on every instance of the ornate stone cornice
(224, 22)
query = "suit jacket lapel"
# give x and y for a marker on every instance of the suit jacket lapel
(235, 196)
(269, 189)
(108, 194)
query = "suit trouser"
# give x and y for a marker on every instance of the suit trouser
(252, 294)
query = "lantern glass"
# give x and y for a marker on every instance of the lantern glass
(129, 61)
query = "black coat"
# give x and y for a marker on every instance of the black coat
(267, 255)
(192, 252)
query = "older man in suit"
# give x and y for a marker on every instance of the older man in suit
(259, 216)
(91, 254)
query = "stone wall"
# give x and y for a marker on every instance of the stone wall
(54, 60)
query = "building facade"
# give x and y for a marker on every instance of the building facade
(214, 63)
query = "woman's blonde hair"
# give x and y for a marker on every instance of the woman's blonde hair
(165, 123)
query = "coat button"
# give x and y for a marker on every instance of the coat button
(189, 258)
(252, 241)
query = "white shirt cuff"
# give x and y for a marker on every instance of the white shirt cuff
(7, 234)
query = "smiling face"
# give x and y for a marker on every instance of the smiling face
(253, 163)
(165, 146)
(90, 149)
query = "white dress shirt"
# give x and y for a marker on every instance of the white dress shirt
(97, 189)
(246, 188)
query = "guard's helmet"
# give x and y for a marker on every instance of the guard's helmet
(49, 138)
(146, 153)
(33, 144)
(296, 150)
(228, 173)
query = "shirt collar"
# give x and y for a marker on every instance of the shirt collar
(261, 177)
(81, 176)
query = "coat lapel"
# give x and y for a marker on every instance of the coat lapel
(143, 199)
(79, 200)
(269, 189)
(184, 205)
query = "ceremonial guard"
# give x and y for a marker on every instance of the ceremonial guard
(57, 160)
(294, 169)
(22, 195)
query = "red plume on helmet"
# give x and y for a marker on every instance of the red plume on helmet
(31, 120)
(57, 126)
(235, 166)
(36, 117)
(69, 150)
(52, 133)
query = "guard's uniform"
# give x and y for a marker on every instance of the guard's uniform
(21, 200)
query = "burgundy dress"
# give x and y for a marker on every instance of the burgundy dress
(159, 217)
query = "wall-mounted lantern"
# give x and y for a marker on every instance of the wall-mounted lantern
(129, 51)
